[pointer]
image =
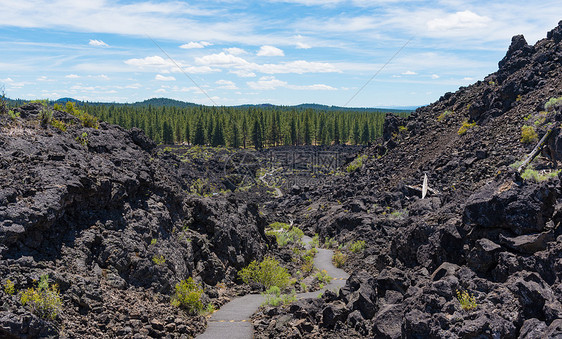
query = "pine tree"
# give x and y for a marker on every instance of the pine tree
(307, 136)
(256, 135)
(355, 133)
(167, 133)
(336, 129)
(293, 132)
(199, 137)
(187, 132)
(365, 133)
(244, 131)
(218, 135)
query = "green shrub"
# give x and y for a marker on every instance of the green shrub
(268, 272)
(315, 241)
(552, 103)
(273, 297)
(9, 287)
(279, 226)
(356, 164)
(465, 127)
(83, 139)
(402, 129)
(285, 238)
(467, 301)
(58, 124)
(443, 115)
(357, 246)
(528, 134)
(13, 115)
(87, 119)
(339, 259)
(534, 175)
(323, 277)
(159, 259)
(58, 107)
(45, 116)
(188, 296)
(44, 301)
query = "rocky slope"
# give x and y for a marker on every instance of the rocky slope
(93, 208)
(485, 230)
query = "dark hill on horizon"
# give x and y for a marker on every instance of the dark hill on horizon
(159, 102)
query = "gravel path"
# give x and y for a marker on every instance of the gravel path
(232, 320)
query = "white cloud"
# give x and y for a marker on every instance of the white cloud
(134, 86)
(166, 66)
(226, 84)
(160, 77)
(302, 45)
(468, 79)
(270, 51)
(221, 60)
(72, 76)
(97, 43)
(7, 80)
(434, 76)
(271, 83)
(193, 44)
(44, 78)
(298, 67)
(243, 73)
(235, 51)
(409, 73)
(458, 21)
(160, 90)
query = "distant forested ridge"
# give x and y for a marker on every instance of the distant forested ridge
(171, 121)
(245, 126)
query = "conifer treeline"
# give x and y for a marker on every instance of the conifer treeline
(245, 126)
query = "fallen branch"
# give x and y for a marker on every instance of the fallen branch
(537, 148)
(419, 189)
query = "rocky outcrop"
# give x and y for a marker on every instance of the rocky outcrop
(107, 219)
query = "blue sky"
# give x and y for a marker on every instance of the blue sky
(270, 51)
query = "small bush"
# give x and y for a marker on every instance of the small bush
(534, 175)
(284, 238)
(87, 119)
(528, 134)
(357, 246)
(279, 226)
(45, 116)
(467, 301)
(44, 301)
(159, 259)
(58, 124)
(339, 259)
(273, 297)
(443, 115)
(315, 241)
(268, 273)
(330, 243)
(13, 115)
(9, 287)
(83, 139)
(465, 127)
(356, 164)
(552, 103)
(323, 277)
(188, 295)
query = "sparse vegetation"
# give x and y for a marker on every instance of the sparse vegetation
(528, 134)
(188, 296)
(159, 259)
(465, 127)
(443, 115)
(536, 176)
(339, 259)
(323, 277)
(467, 301)
(9, 287)
(357, 246)
(287, 236)
(87, 119)
(13, 115)
(58, 124)
(3, 101)
(45, 116)
(356, 164)
(83, 139)
(44, 301)
(552, 103)
(268, 273)
(315, 241)
(273, 297)
(330, 243)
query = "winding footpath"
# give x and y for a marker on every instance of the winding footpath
(232, 320)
